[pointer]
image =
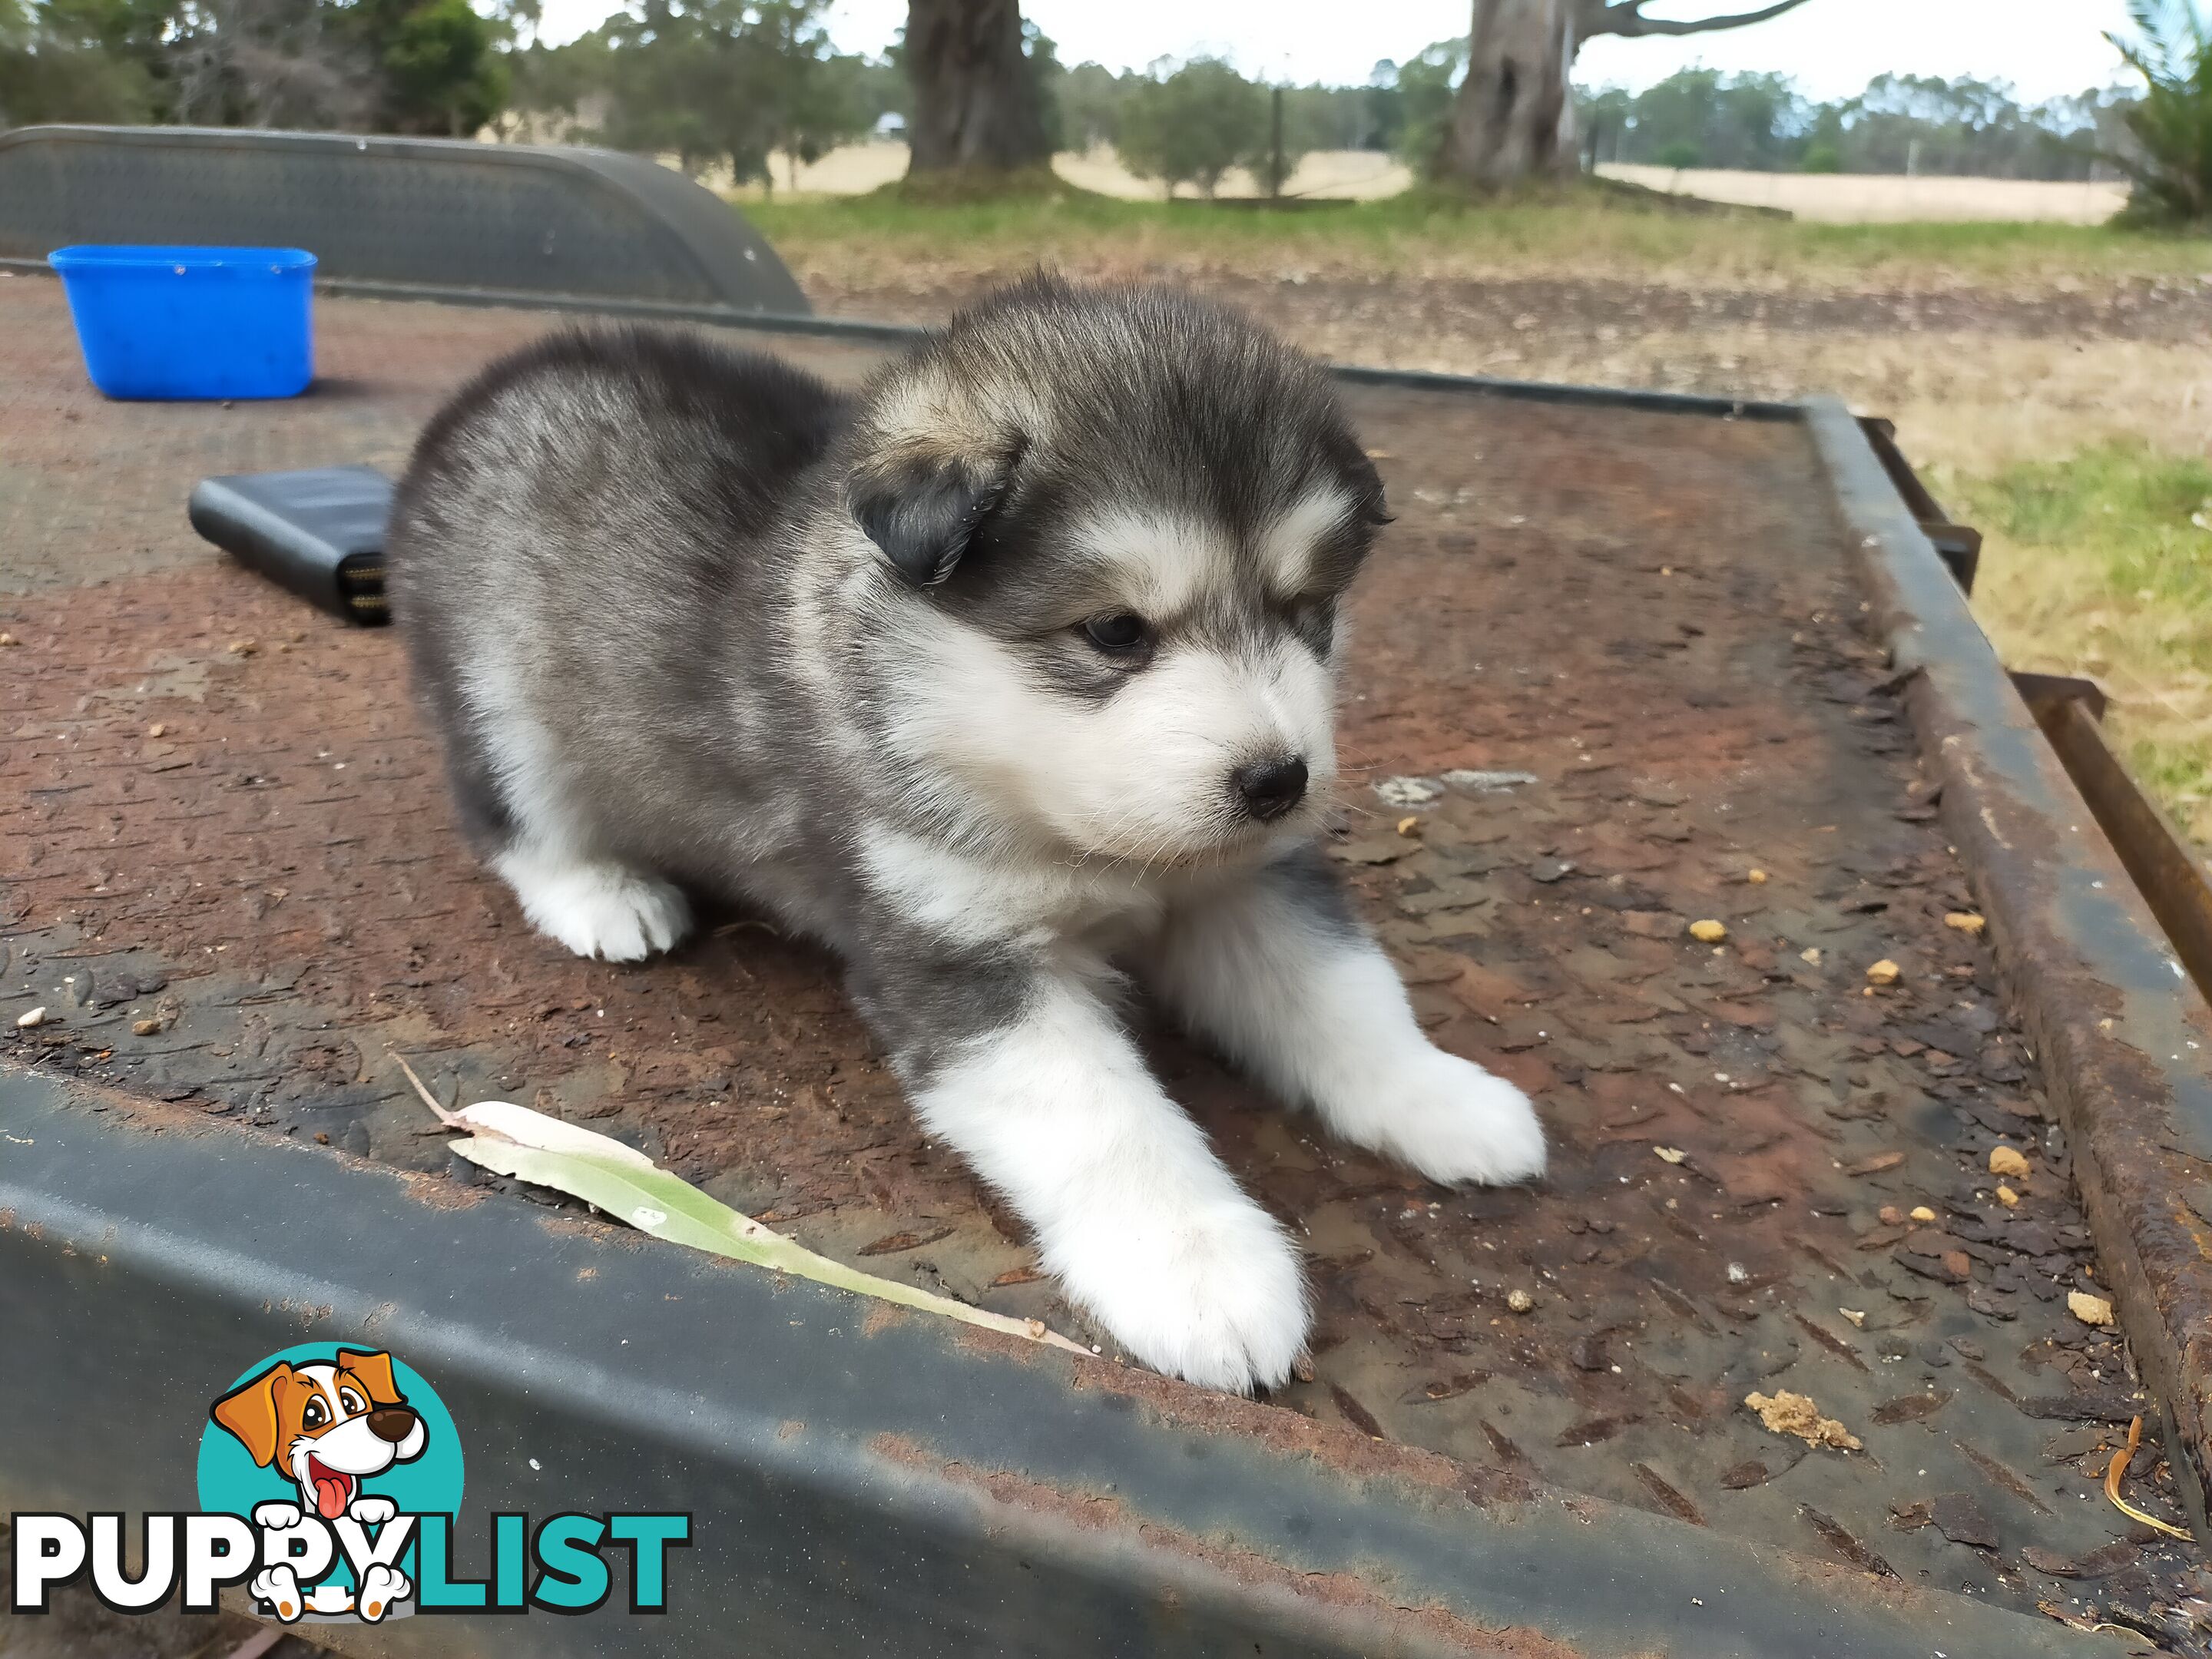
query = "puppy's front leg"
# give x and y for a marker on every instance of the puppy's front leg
(1274, 968)
(1052, 1105)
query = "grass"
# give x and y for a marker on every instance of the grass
(2101, 564)
(1422, 234)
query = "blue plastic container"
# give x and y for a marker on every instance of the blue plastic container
(192, 322)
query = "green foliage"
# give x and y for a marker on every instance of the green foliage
(1682, 153)
(1900, 124)
(1427, 85)
(79, 60)
(1042, 56)
(1192, 126)
(740, 81)
(1090, 98)
(441, 72)
(2171, 163)
(69, 66)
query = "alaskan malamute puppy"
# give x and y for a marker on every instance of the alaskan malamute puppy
(1007, 678)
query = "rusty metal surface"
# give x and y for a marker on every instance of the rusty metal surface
(859, 1479)
(2122, 1028)
(1643, 628)
(2165, 872)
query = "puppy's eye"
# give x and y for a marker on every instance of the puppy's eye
(352, 1402)
(1314, 617)
(314, 1414)
(1119, 634)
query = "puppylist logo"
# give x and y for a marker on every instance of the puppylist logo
(330, 1483)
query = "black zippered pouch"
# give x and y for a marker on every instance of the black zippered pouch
(319, 533)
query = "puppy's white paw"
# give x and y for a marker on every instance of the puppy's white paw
(381, 1586)
(1451, 1119)
(329, 1599)
(1212, 1294)
(371, 1510)
(278, 1586)
(276, 1515)
(598, 910)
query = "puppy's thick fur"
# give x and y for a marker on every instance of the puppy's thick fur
(1012, 674)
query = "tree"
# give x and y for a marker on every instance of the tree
(1424, 102)
(739, 81)
(1513, 120)
(978, 105)
(1193, 125)
(73, 63)
(2171, 164)
(443, 74)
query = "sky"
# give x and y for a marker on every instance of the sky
(1832, 48)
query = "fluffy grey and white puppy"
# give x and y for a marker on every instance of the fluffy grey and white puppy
(1007, 678)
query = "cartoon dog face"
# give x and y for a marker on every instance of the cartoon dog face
(327, 1425)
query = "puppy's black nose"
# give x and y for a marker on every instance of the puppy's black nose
(1270, 788)
(392, 1423)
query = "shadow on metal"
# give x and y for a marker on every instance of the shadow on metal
(400, 216)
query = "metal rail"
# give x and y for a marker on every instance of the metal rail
(422, 215)
(2121, 1031)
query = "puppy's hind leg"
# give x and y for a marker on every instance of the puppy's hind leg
(519, 818)
(596, 907)
(1274, 968)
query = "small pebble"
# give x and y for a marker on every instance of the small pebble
(1756, 877)
(1520, 1301)
(243, 647)
(145, 1028)
(2007, 1197)
(1669, 1154)
(1811, 954)
(2089, 1310)
(1891, 1215)
(1409, 826)
(1884, 972)
(2008, 1162)
(35, 1017)
(1965, 922)
(9, 639)
(1710, 933)
(1922, 1213)
(155, 729)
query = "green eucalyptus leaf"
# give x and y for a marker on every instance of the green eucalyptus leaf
(624, 1183)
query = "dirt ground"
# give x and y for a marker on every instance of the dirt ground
(1605, 670)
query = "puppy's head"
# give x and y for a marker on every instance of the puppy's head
(327, 1425)
(1116, 526)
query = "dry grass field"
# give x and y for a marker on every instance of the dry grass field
(1859, 198)
(2053, 382)
(1355, 175)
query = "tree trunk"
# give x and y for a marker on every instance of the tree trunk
(1513, 121)
(976, 102)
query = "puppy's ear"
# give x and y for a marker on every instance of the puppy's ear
(249, 1412)
(374, 1370)
(923, 514)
